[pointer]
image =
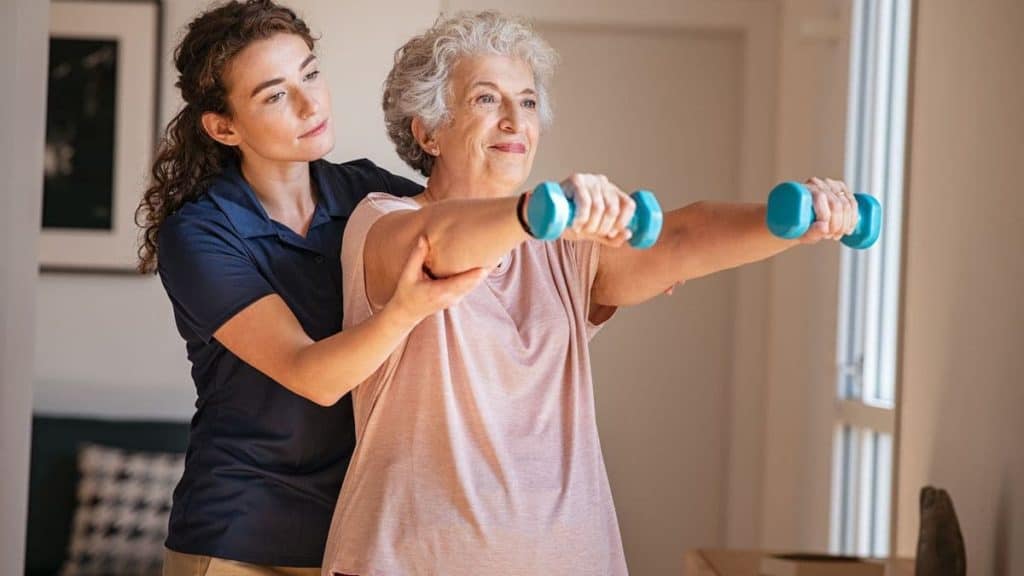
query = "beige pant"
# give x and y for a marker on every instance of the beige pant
(178, 564)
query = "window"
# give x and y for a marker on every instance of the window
(863, 448)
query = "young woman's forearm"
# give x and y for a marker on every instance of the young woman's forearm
(325, 371)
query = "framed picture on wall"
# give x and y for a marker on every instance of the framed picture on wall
(101, 131)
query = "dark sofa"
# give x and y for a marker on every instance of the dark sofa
(54, 475)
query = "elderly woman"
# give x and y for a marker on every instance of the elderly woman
(477, 447)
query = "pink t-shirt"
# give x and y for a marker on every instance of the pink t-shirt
(477, 448)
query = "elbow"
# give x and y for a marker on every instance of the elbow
(309, 385)
(308, 390)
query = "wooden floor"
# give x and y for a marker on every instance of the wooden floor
(722, 562)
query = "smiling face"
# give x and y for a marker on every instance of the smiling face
(280, 108)
(489, 143)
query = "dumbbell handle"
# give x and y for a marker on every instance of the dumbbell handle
(550, 212)
(791, 213)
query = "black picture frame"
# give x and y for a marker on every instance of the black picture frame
(103, 118)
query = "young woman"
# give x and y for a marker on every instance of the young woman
(243, 222)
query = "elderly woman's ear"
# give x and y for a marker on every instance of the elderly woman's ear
(425, 138)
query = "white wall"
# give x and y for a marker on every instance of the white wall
(962, 383)
(23, 56)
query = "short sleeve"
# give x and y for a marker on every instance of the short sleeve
(207, 272)
(356, 302)
(587, 255)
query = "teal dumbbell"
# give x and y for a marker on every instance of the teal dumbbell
(791, 213)
(550, 212)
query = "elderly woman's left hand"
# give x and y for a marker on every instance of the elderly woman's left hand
(603, 211)
(835, 210)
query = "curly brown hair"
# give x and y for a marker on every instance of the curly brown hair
(187, 159)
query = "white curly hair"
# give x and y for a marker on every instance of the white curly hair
(418, 84)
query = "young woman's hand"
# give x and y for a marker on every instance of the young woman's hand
(417, 295)
(603, 211)
(835, 210)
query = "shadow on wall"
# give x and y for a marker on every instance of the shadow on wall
(1003, 526)
(975, 454)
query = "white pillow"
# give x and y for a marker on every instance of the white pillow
(123, 504)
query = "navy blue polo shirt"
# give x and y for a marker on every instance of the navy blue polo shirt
(264, 465)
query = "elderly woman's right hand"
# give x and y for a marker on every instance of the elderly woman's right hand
(418, 295)
(603, 211)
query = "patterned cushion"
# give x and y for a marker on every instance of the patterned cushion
(124, 500)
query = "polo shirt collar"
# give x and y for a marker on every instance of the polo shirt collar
(237, 200)
(326, 194)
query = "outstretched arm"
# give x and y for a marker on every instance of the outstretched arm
(706, 237)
